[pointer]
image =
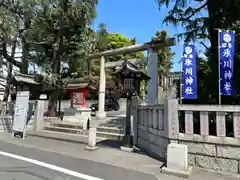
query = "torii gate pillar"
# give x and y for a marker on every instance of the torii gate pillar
(152, 69)
(101, 114)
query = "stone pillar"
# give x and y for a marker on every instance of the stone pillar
(135, 118)
(39, 115)
(122, 103)
(92, 139)
(171, 122)
(101, 114)
(152, 68)
(177, 161)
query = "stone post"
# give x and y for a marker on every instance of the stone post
(101, 114)
(171, 123)
(92, 139)
(39, 115)
(177, 160)
(177, 154)
(152, 69)
(135, 118)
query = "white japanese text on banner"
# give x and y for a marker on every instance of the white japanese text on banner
(189, 74)
(226, 55)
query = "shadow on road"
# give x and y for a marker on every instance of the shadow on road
(114, 122)
(110, 143)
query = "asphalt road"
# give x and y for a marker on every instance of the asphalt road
(27, 164)
(13, 169)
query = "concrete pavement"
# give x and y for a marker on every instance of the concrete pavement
(114, 119)
(13, 169)
(75, 158)
(28, 171)
(105, 163)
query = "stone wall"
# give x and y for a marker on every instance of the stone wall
(152, 141)
(151, 135)
(218, 152)
(6, 123)
(221, 154)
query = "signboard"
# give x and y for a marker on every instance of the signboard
(21, 111)
(43, 96)
(77, 98)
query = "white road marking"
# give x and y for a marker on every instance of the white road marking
(50, 166)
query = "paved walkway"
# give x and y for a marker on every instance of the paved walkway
(114, 119)
(25, 163)
(111, 156)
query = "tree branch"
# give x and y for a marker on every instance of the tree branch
(204, 44)
(171, 14)
(12, 8)
(9, 58)
(2, 77)
(4, 85)
(196, 10)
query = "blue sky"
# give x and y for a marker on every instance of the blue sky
(136, 18)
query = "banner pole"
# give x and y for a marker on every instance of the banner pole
(219, 73)
(181, 84)
(181, 72)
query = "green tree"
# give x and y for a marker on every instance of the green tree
(65, 23)
(20, 15)
(165, 55)
(108, 41)
(9, 35)
(117, 40)
(95, 41)
(52, 33)
(190, 15)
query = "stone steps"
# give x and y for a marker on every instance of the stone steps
(103, 132)
(65, 125)
(80, 127)
(110, 130)
(65, 130)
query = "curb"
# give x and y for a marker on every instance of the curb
(74, 138)
(49, 135)
(102, 132)
(79, 139)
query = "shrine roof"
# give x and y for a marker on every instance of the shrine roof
(73, 86)
(136, 61)
(132, 68)
(28, 79)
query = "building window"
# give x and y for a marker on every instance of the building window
(128, 84)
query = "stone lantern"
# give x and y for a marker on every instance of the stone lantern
(129, 80)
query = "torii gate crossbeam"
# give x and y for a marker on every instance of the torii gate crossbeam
(151, 65)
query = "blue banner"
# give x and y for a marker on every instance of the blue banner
(226, 60)
(189, 72)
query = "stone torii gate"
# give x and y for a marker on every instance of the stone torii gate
(152, 69)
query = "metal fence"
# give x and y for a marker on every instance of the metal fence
(7, 110)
